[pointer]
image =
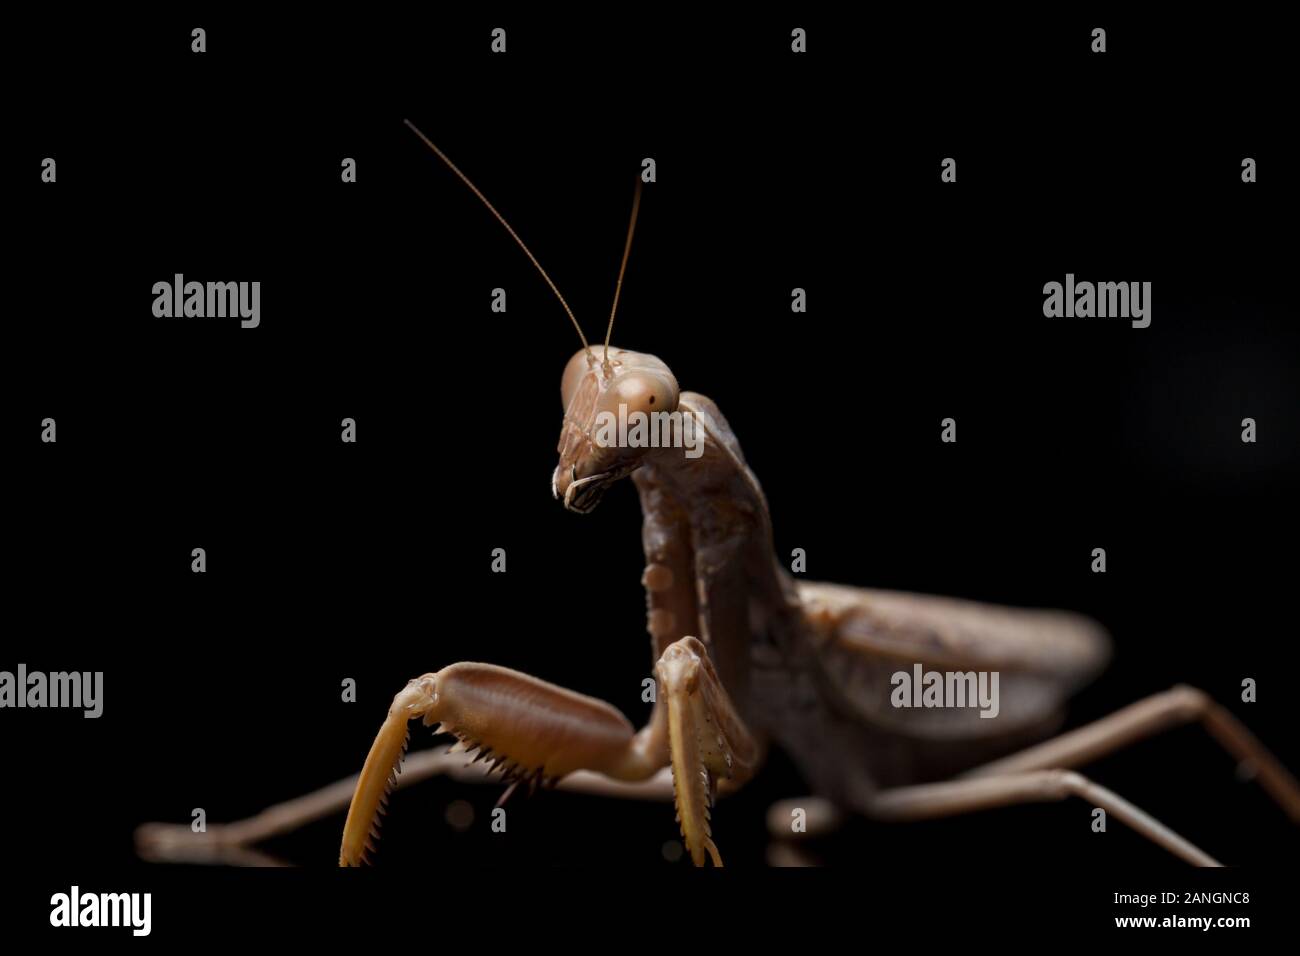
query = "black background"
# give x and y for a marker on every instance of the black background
(372, 561)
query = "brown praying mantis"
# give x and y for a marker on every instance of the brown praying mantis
(747, 657)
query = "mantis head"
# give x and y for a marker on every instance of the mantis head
(597, 390)
(604, 399)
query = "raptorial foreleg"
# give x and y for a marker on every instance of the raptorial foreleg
(533, 732)
(708, 741)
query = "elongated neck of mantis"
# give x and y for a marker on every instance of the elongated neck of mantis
(711, 570)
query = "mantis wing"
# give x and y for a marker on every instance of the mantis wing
(867, 638)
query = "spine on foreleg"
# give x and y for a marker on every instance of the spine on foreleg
(378, 777)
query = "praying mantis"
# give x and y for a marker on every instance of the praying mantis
(747, 657)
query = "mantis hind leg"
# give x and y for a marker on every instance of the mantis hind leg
(1045, 771)
(1173, 708)
(930, 800)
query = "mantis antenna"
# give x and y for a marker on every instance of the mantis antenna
(515, 236)
(618, 287)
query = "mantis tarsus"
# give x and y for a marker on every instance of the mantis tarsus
(747, 656)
